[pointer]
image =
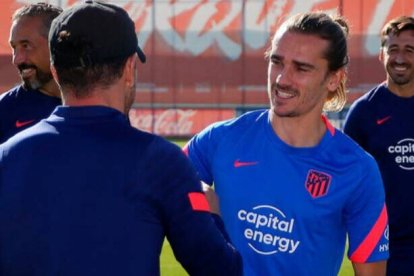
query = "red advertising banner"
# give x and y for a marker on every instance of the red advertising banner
(177, 122)
(209, 54)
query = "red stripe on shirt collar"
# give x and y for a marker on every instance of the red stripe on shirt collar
(328, 124)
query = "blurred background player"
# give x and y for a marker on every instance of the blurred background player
(291, 186)
(103, 195)
(38, 95)
(382, 123)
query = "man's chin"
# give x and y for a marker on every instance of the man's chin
(400, 80)
(30, 84)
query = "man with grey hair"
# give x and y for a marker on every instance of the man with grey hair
(37, 96)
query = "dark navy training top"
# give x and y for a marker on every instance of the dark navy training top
(21, 108)
(383, 124)
(84, 193)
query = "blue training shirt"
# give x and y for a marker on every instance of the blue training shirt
(21, 108)
(382, 123)
(288, 210)
(84, 193)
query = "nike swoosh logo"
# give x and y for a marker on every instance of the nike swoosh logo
(238, 163)
(383, 120)
(20, 124)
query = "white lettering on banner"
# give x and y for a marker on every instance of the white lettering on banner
(195, 26)
(404, 153)
(256, 33)
(372, 42)
(140, 13)
(167, 122)
(267, 230)
(206, 29)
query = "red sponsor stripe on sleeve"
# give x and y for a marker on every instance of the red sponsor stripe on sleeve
(365, 249)
(199, 202)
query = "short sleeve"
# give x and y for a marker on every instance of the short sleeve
(200, 150)
(366, 216)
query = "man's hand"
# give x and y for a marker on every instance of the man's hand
(212, 198)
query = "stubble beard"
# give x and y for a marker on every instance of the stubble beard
(40, 80)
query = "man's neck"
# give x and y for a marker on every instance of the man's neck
(299, 131)
(404, 91)
(51, 89)
(111, 97)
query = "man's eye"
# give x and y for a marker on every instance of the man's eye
(392, 51)
(410, 51)
(276, 62)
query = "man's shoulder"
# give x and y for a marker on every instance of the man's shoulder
(252, 116)
(11, 94)
(233, 129)
(373, 96)
(347, 148)
(248, 119)
(149, 144)
(134, 141)
(368, 104)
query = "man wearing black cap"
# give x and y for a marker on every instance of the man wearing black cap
(83, 192)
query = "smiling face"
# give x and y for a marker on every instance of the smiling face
(397, 55)
(298, 77)
(30, 52)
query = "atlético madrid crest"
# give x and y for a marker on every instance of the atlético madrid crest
(317, 183)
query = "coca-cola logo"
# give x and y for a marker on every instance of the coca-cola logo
(164, 122)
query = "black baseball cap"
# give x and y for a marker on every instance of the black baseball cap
(92, 33)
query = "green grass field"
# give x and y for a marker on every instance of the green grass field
(170, 267)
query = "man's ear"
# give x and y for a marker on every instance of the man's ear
(129, 70)
(54, 73)
(335, 79)
(381, 54)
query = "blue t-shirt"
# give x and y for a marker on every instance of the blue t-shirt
(84, 193)
(288, 210)
(383, 124)
(21, 108)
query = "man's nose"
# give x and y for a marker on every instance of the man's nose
(19, 57)
(284, 77)
(399, 58)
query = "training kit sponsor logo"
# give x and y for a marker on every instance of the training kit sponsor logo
(268, 230)
(385, 247)
(403, 153)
